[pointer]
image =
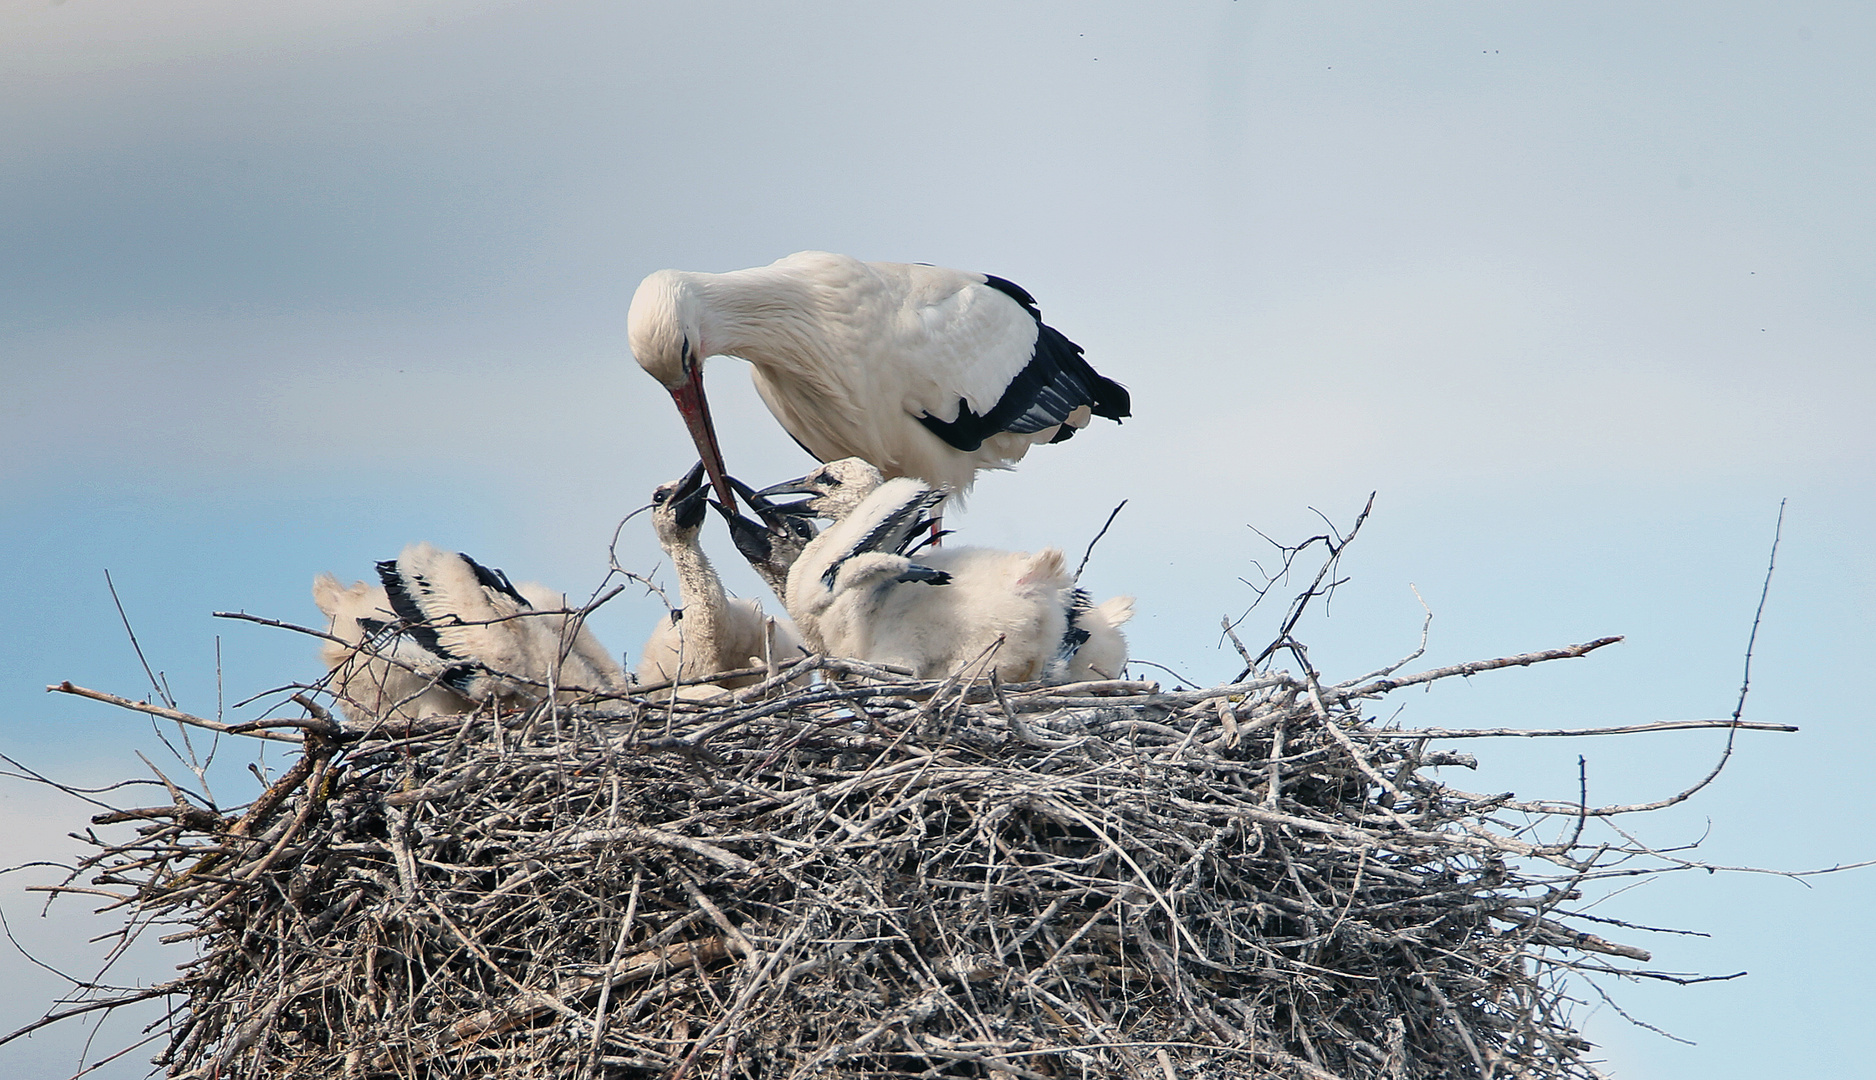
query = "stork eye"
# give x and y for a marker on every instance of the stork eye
(684, 354)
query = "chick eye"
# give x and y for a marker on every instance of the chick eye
(658, 497)
(829, 479)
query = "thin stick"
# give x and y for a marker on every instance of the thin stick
(1382, 686)
(155, 683)
(1552, 733)
(1083, 565)
(162, 990)
(1765, 590)
(166, 713)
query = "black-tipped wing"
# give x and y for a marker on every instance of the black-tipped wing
(924, 574)
(491, 578)
(891, 530)
(1055, 382)
(402, 590)
(423, 603)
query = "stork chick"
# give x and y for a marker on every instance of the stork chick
(442, 633)
(853, 592)
(711, 631)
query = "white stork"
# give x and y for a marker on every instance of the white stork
(922, 371)
(710, 631)
(442, 632)
(853, 592)
(377, 673)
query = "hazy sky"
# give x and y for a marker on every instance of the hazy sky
(1581, 291)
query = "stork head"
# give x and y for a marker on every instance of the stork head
(834, 489)
(665, 330)
(677, 508)
(778, 540)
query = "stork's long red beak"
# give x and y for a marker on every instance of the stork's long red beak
(695, 409)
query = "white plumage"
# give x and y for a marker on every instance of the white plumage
(922, 371)
(442, 633)
(1104, 653)
(377, 673)
(711, 631)
(853, 593)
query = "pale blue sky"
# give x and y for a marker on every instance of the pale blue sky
(1582, 291)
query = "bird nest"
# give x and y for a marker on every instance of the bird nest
(873, 876)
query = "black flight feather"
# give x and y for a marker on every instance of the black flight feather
(891, 533)
(1055, 382)
(465, 679)
(406, 607)
(491, 578)
(924, 574)
(926, 538)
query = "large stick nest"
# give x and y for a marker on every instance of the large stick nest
(874, 877)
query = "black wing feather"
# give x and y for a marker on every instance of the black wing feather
(1076, 635)
(924, 574)
(491, 578)
(891, 532)
(1055, 382)
(465, 679)
(402, 602)
(1015, 292)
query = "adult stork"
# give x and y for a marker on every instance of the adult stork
(922, 371)
(855, 591)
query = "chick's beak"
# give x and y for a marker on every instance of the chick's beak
(752, 540)
(688, 499)
(691, 482)
(777, 515)
(798, 486)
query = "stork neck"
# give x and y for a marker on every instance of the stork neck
(765, 315)
(699, 590)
